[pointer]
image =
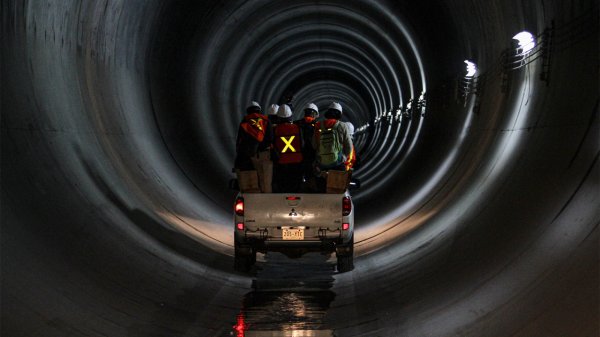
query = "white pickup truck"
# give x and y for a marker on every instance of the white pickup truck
(293, 224)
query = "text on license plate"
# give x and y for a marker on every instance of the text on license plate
(293, 233)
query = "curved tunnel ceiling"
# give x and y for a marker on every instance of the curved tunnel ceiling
(478, 214)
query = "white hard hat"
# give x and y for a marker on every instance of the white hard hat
(312, 106)
(336, 106)
(273, 109)
(350, 127)
(254, 104)
(284, 111)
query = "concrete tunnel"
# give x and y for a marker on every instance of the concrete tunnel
(479, 207)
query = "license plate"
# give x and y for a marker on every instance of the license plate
(293, 233)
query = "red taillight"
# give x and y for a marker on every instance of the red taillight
(346, 206)
(240, 225)
(345, 226)
(239, 206)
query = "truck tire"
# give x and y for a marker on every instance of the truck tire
(244, 259)
(345, 257)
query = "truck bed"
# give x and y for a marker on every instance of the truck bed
(273, 210)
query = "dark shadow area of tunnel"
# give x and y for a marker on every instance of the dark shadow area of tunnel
(168, 238)
(179, 315)
(171, 68)
(65, 254)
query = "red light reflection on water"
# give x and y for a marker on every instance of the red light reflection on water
(240, 326)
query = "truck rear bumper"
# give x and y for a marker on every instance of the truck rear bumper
(295, 244)
(295, 248)
(275, 234)
(270, 239)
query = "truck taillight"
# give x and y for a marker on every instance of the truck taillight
(240, 225)
(345, 226)
(239, 206)
(346, 206)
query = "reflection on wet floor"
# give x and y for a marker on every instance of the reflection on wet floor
(290, 298)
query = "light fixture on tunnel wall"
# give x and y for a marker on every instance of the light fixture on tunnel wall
(471, 69)
(415, 106)
(362, 129)
(526, 43)
(421, 104)
(408, 109)
(514, 58)
(468, 82)
(525, 52)
(398, 113)
(533, 47)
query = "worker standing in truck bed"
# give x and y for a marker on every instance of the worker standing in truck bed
(332, 143)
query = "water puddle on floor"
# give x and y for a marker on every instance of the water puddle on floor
(290, 298)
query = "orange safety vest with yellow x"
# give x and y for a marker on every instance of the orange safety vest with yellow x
(254, 124)
(288, 143)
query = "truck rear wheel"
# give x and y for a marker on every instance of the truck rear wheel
(345, 256)
(244, 259)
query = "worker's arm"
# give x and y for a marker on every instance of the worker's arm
(268, 139)
(315, 139)
(346, 140)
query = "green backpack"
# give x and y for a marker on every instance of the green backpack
(330, 146)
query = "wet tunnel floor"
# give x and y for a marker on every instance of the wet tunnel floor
(289, 297)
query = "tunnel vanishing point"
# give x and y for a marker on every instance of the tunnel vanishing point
(479, 207)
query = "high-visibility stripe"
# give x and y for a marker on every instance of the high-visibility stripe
(288, 144)
(255, 122)
(351, 159)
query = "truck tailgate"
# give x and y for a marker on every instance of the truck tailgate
(278, 209)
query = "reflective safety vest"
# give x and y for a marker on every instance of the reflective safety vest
(255, 124)
(288, 143)
(351, 159)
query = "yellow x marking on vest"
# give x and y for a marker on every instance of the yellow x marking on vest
(256, 123)
(288, 144)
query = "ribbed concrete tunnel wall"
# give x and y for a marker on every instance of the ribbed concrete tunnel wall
(478, 214)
